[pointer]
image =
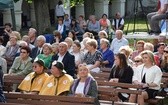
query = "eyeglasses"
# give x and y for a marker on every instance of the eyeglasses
(165, 51)
(137, 61)
(23, 52)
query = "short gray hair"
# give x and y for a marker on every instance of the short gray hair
(41, 37)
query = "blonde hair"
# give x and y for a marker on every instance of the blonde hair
(149, 46)
(17, 34)
(104, 33)
(92, 42)
(48, 45)
(69, 39)
(150, 54)
(127, 49)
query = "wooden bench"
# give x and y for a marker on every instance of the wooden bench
(47, 100)
(107, 95)
(9, 81)
(102, 76)
(12, 104)
(106, 70)
(107, 85)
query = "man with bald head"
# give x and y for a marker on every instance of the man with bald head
(118, 42)
(65, 57)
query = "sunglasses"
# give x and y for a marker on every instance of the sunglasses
(165, 51)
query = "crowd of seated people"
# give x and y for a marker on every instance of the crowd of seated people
(78, 48)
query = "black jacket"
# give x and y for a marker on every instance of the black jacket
(68, 61)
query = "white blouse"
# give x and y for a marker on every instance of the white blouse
(153, 75)
(80, 88)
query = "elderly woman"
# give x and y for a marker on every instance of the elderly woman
(105, 23)
(22, 64)
(69, 41)
(58, 83)
(101, 34)
(108, 55)
(121, 72)
(149, 46)
(164, 63)
(34, 81)
(46, 56)
(55, 48)
(138, 61)
(21, 44)
(148, 76)
(79, 55)
(85, 85)
(93, 57)
(127, 51)
(139, 49)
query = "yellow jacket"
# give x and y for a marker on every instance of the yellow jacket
(56, 86)
(36, 85)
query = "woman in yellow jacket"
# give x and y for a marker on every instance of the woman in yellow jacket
(58, 83)
(34, 81)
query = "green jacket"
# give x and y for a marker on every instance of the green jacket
(21, 68)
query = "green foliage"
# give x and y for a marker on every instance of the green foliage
(29, 1)
(76, 2)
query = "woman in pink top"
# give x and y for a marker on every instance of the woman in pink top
(104, 23)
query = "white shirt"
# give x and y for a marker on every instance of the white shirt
(153, 75)
(162, 3)
(40, 49)
(60, 58)
(117, 21)
(59, 10)
(78, 56)
(60, 28)
(2, 50)
(80, 87)
(116, 44)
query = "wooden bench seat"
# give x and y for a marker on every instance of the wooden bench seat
(123, 89)
(47, 100)
(9, 81)
(103, 76)
(12, 104)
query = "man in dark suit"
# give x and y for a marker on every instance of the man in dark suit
(38, 49)
(65, 57)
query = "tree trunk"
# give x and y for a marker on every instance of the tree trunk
(42, 15)
(89, 8)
